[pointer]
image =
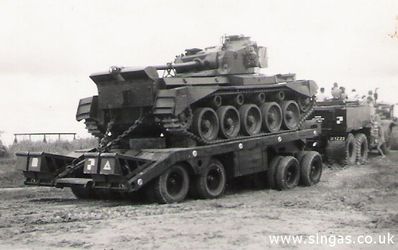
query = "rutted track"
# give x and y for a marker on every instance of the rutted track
(356, 200)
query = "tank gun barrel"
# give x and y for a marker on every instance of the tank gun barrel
(179, 66)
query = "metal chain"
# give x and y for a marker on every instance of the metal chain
(105, 145)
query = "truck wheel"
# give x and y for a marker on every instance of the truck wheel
(211, 182)
(394, 138)
(310, 168)
(342, 152)
(83, 193)
(362, 148)
(350, 153)
(271, 172)
(287, 173)
(172, 186)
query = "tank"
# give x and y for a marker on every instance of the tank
(205, 96)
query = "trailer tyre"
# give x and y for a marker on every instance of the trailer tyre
(310, 168)
(287, 173)
(172, 186)
(271, 172)
(362, 148)
(83, 193)
(211, 182)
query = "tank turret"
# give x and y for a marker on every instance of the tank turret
(236, 55)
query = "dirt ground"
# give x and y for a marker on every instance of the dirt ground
(360, 200)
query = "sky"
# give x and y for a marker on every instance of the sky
(49, 47)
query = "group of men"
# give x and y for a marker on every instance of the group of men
(339, 93)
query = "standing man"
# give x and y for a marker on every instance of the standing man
(321, 96)
(336, 92)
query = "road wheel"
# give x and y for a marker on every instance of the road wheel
(361, 143)
(291, 115)
(83, 193)
(272, 116)
(205, 124)
(229, 119)
(211, 182)
(310, 168)
(250, 117)
(271, 172)
(172, 186)
(287, 173)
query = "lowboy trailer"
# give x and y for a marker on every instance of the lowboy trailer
(168, 175)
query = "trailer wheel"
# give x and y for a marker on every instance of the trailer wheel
(310, 168)
(172, 186)
(211, 182)
(271, 172)
(83, 193)
(287, 173)
(362, 148)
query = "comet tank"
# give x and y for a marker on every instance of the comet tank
(205, 96)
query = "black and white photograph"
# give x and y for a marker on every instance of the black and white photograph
(183, 124)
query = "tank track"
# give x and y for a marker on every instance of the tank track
(200, 141)
(171, 124)
(93, 128)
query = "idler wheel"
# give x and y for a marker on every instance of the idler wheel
(291, 115)
(229, 121)
(205, 124)
(272, 116)
(251, 119)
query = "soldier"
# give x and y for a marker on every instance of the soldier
(378, 133)
(370, 99)
(343, 95)
(376, 95)
(321, 97)
(354, 95)
(336, 92)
